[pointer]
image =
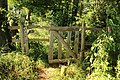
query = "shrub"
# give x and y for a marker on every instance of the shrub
(37, 51)
(103, 58)
(118, 68)
(73, 72)
(15, 66)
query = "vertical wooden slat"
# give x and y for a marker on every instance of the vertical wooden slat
(50, 54)
(26, 40)
(82, 42)
(22, 37)
(68, 42)
(60, 47)
(76, 42)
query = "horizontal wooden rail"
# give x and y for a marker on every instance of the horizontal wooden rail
(29, 27)
(35, 39)
(97, 29)
(65, 28)
(61, 60)
(73, 28)
(13, 27)
(38, 26)
(88, 43)
(16, 40)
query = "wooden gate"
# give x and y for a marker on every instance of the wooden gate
(55, 32)
(71, 52)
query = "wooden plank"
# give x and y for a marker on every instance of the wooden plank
(29, 27)
(34, 39)
(60, 47)
(50, 54)
(68, 42)
(97, 29)
(38, 39)
(61, 60)
(22, 37)
(16, 40)
(60, 28)
(38, 26)
(73, 28)
(26, 40)
(88, 43)
(64, 43)
(76, 42)
(82, 42)
(13, 27)
(109, 29)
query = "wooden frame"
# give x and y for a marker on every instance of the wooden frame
(58, 32)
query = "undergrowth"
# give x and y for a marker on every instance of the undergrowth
(16, 66)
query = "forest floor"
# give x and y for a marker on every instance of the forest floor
(48, 73)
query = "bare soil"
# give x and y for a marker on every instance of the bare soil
(46, 73)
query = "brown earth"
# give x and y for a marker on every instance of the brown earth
(46, 73)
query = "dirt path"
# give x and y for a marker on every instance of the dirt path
(46, 73)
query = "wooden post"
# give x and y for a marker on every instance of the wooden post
(109, 30)
(26, 40)
(82, 42)
(76, 42)
(68, 42)
(60, 47)
(50, 54)
(22, 37)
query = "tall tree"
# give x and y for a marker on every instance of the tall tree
(4, 22)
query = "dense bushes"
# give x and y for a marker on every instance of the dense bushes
(15, 66)
(118, 68)
(103, 58)
(37, 51)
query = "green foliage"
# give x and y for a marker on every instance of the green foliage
(74, 72)
(103, 62)
(37, 51)
(71, 72)
(103, 59)
(15, 66)
(2, 12)
(118, 67)
(113, 19)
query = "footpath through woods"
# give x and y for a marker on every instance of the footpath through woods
(48, 73)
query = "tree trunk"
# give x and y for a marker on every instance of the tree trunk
(81, 8)
(3, 13)
(4, 5)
